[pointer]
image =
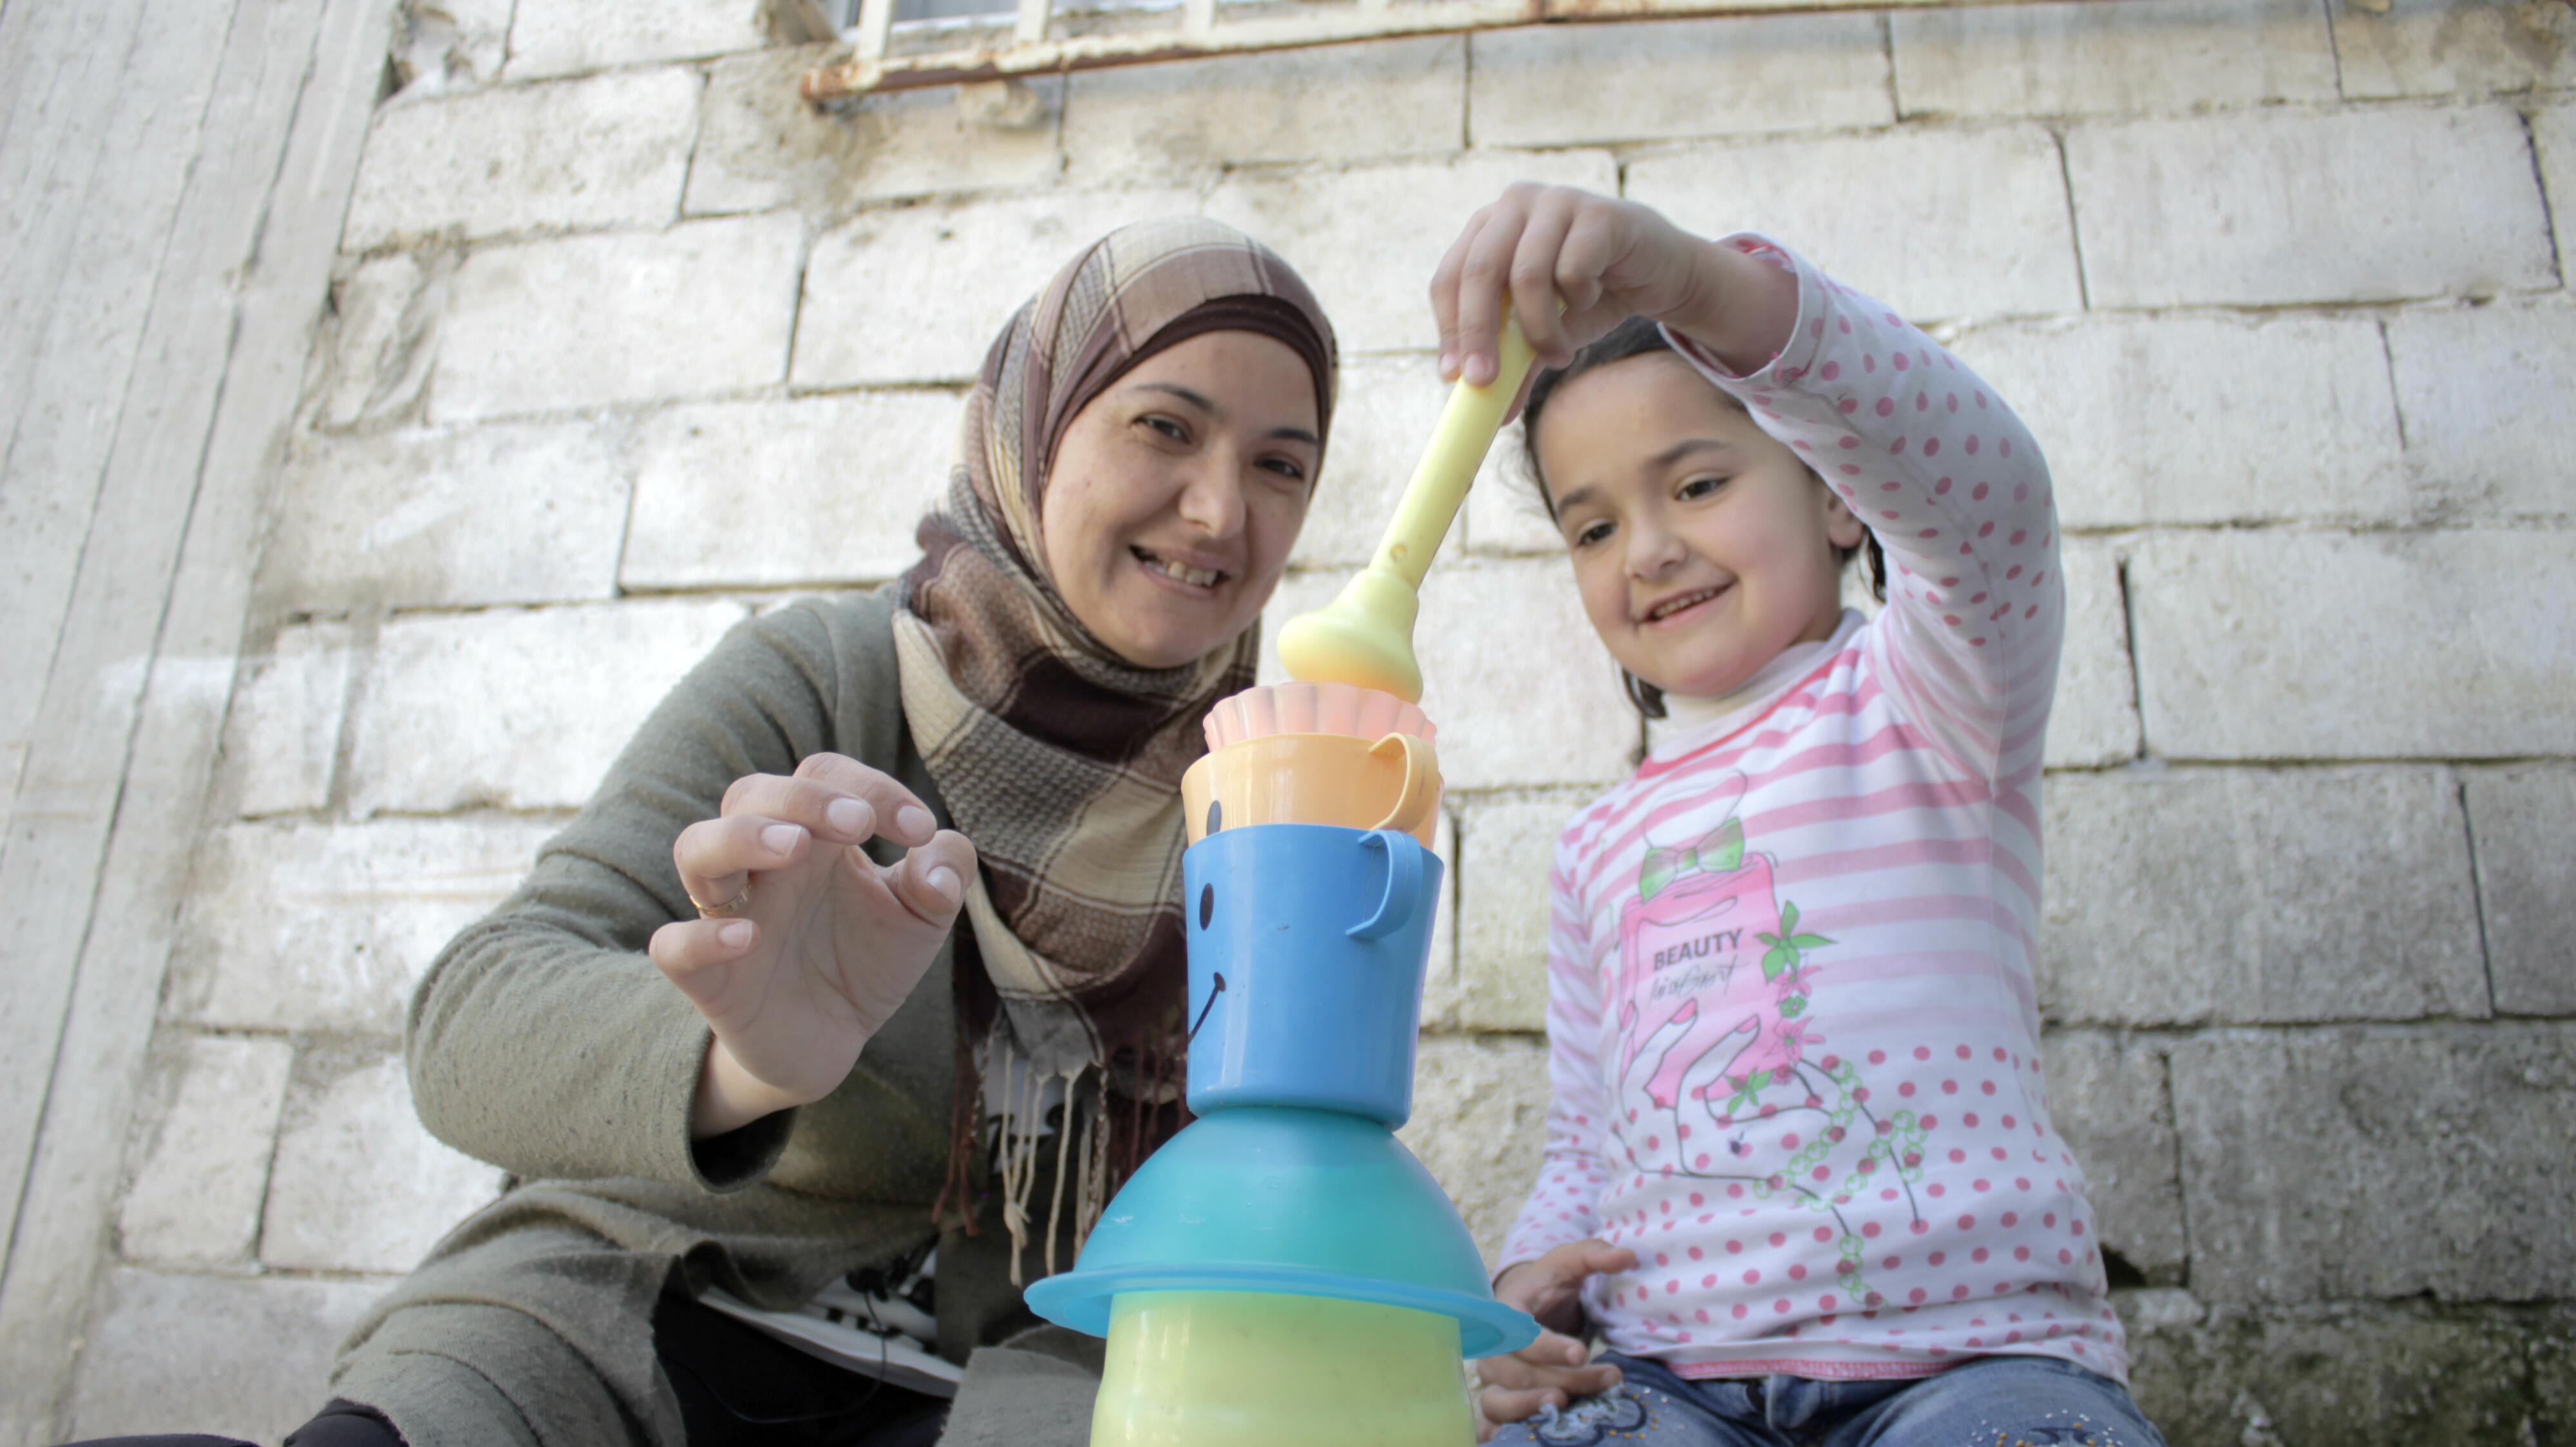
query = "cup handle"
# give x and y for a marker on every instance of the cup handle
(1403, 884)
(1421, 792)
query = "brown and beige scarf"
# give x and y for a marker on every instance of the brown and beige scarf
(1058, 758)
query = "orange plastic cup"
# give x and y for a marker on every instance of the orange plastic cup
(1388, 783)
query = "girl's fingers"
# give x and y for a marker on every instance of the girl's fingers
(1504, 1404)
(1595, 243)
(1601, 1258)
(1484, 280)
(1534, 270)
(1444, 293)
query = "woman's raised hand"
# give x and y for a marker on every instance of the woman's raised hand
(1553, 1370)
(1574, 265)
(827, 945)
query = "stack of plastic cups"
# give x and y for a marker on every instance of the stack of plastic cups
(1284, 1271)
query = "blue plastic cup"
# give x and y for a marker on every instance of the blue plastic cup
(1307, 945)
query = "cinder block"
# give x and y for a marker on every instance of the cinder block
(1338, 105)
(2352, 1375)
(358, 1184)
(2277, 207)
(2074, 59)
(196, 1197)
(1506, 849)
(519, 709)
(1487, 629)
(2095, 718)
(2552, 1345)
(1388, 408)
(1523, 691)
(1479, 1120)
(568, 36)
(324, 927)
(1934, 222)
(283, 732)
(243, 1356)
(2485, 390)
(608, 151)
(2523, 822)
(776, 494)
(2282, 645)
(1505, 514)
(2183, 420)
(2106, 1096)
(2553, 134)
(1303, 592)
(385, 337)
(2454, 47)
(1367, 238)
(13, 762)
(2356, 1164)
(701, 309)
(1559, 85)
(2236, 896)
(762, 147)
(918, 294)
(1440, 973)
(450, 517)
(457, 45)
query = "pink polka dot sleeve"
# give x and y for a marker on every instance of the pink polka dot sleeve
(1563, 1202)
(1930, 458)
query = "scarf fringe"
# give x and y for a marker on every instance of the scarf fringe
(1103, 1157)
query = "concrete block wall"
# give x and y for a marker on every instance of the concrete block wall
(628, 343)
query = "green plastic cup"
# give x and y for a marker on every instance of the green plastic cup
(1263, 1369)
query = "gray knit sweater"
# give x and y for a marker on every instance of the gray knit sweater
(544, 1041)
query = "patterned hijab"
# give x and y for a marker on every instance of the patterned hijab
(1058, 758)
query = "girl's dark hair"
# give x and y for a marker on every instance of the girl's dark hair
(1636, 337)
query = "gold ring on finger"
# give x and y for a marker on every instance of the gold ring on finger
(727, 910)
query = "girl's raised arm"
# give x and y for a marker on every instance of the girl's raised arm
(1953, 485)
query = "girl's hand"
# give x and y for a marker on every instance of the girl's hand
(1602, 261)
(827, 945)
(1550, 1371)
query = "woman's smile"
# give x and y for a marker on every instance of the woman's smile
(1203, 580)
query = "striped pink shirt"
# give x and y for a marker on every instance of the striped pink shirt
(1791, 1029)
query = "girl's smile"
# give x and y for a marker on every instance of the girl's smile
(1702, 546)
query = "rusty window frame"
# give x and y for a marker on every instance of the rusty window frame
(1023, 38)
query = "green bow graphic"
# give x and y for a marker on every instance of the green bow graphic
(1721, 851)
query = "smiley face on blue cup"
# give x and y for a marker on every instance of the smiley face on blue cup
(1307, 945)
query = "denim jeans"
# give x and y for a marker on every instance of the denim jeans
(2001, 1401)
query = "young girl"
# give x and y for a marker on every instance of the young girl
(1800, 1172)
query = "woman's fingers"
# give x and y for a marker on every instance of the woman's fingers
(716, 857)
(697, 955)
(841, 800)
(931, 880)
(898, 814)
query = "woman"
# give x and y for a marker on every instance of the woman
(839, 1080)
